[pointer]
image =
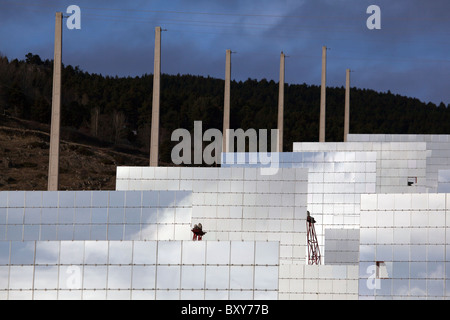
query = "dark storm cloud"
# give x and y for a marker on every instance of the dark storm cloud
(407, 56)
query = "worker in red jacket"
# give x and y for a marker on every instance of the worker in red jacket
(198, 232)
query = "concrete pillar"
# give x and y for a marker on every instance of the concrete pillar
(154, 143)
(281, 103)
(226, 105)
(53, 168)
(323, 95)
(347, 106)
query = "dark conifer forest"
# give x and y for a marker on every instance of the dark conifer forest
(117, 110)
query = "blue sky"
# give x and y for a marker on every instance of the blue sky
(408, 55)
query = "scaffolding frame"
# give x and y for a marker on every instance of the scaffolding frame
(314, 257)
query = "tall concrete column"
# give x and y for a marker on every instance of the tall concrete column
(154, 143)
(323, 95)
(281, 103)
(53, 168)
(226, 105)
(347, 106)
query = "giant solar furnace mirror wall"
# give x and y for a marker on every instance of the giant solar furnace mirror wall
(236, 203)
(335, 182)
(438, 151)
(100, 245)
(162, 270)
(404, 251)
(401, 166)
(95, 215)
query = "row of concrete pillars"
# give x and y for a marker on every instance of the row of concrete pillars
(226, 119)
(53, 174)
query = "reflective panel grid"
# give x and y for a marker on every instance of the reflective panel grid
(324, 282)
(438, 151)
(162, 270)
(403, 251)
(444, 181)
(401, 166)
(247, 204)
(95, 215)
(341, 247)
(380, 235)
(335, 182)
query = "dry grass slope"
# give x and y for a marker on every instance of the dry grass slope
(24, 160)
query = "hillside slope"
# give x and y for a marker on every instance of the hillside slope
(24, 160)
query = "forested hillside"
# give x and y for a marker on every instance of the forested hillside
(118, 110)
